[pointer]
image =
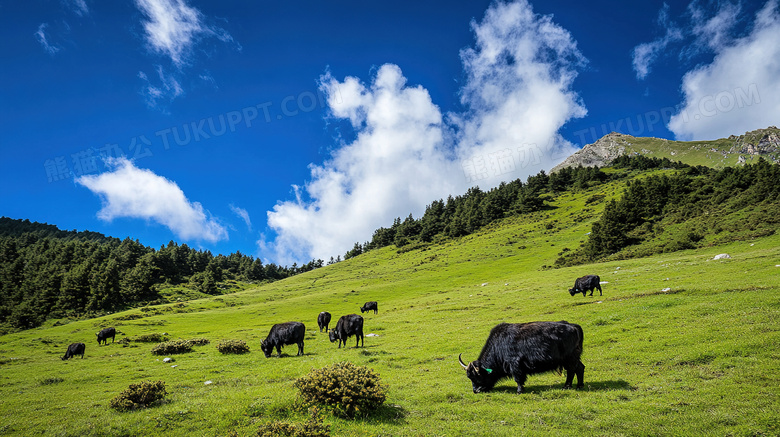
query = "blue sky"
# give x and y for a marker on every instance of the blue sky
(291, 130)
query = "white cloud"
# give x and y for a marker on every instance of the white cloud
(405, 154)
(241, 212)
(165, 89)
(79, 7)
(395, 166)
(128, 191)
(519, 89)
(645, 54)
(173, 28)
(714, 32)
(40, 35)
(739, 90)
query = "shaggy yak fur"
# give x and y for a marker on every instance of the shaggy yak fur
(282, 334)
(520, 349)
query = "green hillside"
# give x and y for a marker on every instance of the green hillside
(679, 344)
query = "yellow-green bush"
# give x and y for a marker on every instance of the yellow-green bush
(150, 338)
(139, 395)
(172, 347)
(199, 341)
(348, 389)
(233, 347)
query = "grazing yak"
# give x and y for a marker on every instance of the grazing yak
(323, 320)
(585, 284)
(282, 334)
(368, 306)
(73, 350)
(520, 349)
(346, 327)
(104, 334)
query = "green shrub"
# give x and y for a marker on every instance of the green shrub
(199, 341)
(346, 388)
(232, 347)
(172, 347)
(313, 427)
(150, 338)
(139, 395)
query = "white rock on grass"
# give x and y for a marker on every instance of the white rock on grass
(722, 256)
(167, 360)
(207, 383)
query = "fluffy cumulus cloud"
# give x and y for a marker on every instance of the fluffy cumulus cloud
(395, 165)
(128, 191)
(740, 89)
(406, 153)
(518, 94)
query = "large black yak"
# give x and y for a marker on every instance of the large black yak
(282, 334)
(522, 349)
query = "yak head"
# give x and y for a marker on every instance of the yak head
(482, 379)
(266, 348)
(363, 309)
(573, 291)
(333, 336)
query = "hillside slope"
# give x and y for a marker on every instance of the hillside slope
(678, 343)
(719, 153)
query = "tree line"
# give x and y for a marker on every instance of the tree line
(708, 200)
(49, 273)
(465, 214)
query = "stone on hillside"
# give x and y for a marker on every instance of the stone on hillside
(722, 256)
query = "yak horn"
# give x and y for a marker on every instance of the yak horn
(461, 362)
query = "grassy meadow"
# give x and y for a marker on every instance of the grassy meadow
(679, 344)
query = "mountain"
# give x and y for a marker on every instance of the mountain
(724, 152)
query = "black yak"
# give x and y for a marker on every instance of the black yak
(346, 327)
(368, 306)
(520, 349)
(73, 350)
(282, 334)
(585, 284)
(323, 320)
(103, 335)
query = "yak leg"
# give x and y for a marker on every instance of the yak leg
(520, 380)
(570, 370)
(580, 374)
(300, 348)
(599, 286)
